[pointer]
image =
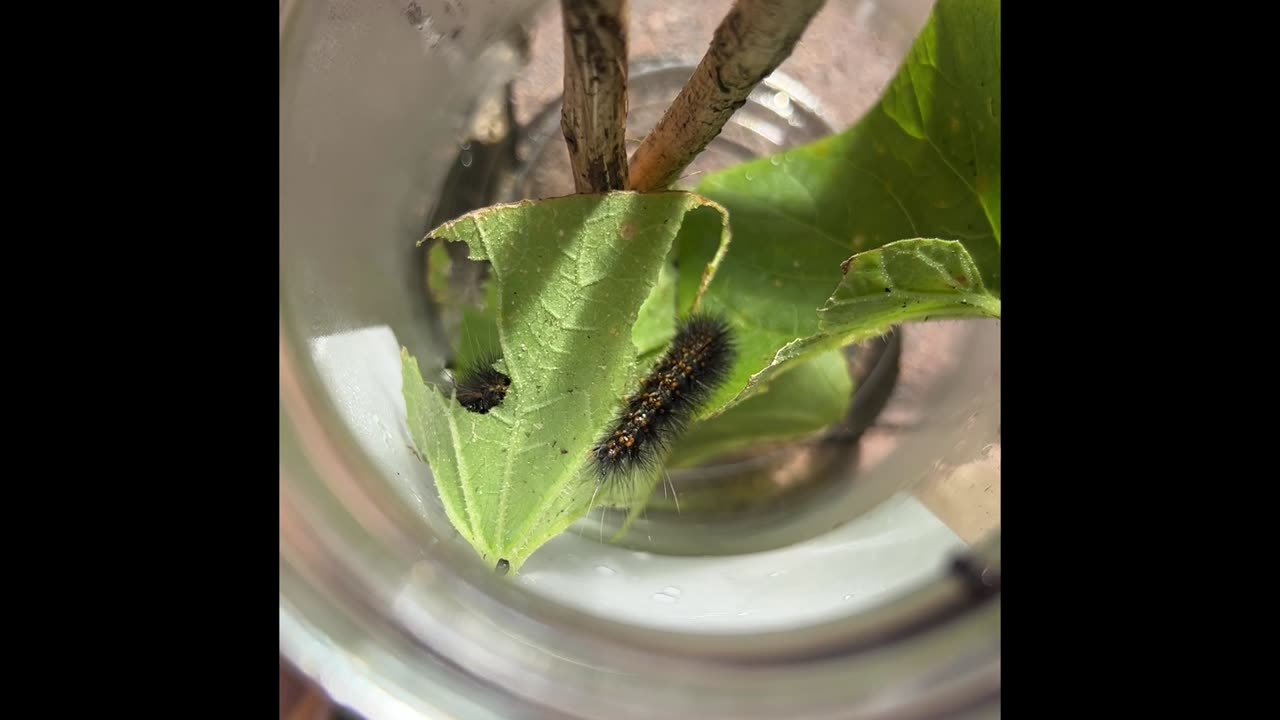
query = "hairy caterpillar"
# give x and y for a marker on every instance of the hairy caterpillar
(697, 361)
(480, 388)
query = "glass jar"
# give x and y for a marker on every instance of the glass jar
(869, 587)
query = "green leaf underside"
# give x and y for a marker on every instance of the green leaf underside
(799, 404)
(655, 326)
(571, 276)
(923, 163)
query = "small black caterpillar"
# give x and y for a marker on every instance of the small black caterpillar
(699, 359)
(481, 388)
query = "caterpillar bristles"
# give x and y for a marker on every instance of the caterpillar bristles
(480, 388)
(696, 363)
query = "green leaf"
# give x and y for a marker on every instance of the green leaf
(904, 281)
(923, 162)
(478, 333)
(569, 278)
(656, 324)
(427, 411)
(799, 404)
(439, 265)
(464, 303)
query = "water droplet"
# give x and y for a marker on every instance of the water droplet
(775, 161)
(744, 613)
(605, 570)
(671, 590)
(781, 100)
(642, 555)
(466, 145)
(750, 177)
(663, 598)
(849, 596)
(777, 573)
(465, 159)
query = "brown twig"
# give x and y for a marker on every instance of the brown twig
(751, 42)
(594, 116)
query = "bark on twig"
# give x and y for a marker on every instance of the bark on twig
(594, 115)
(750, 43)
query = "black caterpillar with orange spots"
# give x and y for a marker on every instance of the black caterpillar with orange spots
(698, 361)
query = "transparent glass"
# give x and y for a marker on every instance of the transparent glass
(866, 586)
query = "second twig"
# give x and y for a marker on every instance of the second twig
(752, 40)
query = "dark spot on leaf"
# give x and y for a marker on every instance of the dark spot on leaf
(503, 567)
(963, 280)
(887, 290)
(563, 451)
